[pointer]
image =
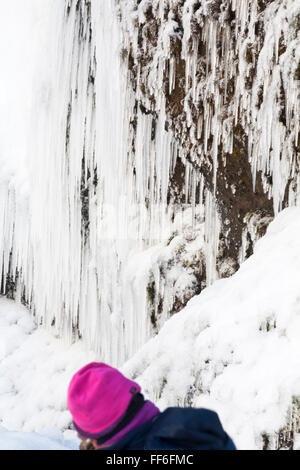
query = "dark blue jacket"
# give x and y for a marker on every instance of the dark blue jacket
(178, 429)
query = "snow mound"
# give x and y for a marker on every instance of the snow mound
(235, 347)
(35, 370)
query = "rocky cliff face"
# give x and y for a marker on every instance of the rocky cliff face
(223, 76)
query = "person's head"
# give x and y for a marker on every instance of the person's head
(102, 402)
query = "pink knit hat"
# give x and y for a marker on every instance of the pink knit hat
(98, 398)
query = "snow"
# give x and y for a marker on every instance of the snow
(35, 370)
(33, 441)
(234, 349)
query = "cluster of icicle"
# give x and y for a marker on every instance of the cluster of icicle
(80, 246)
(261, 54)
(73, 244)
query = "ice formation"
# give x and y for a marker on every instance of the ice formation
(127, 131)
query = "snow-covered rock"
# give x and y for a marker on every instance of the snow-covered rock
(235, 347)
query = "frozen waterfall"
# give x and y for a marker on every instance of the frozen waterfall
(119, 120)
